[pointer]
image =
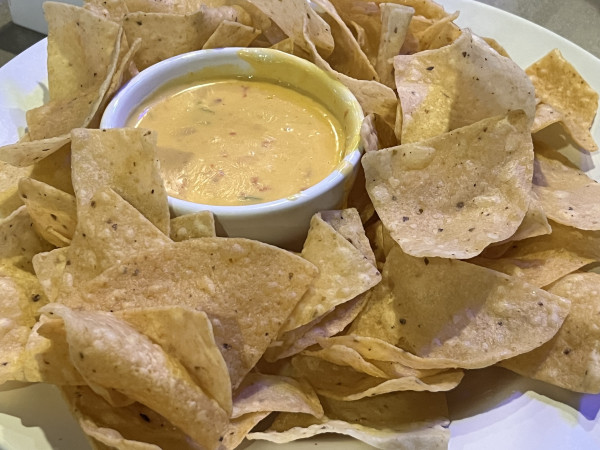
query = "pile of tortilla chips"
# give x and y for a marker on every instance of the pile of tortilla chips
(464, 242)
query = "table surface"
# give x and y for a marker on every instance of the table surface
(575, 20)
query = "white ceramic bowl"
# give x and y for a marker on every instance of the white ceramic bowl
(281, 222)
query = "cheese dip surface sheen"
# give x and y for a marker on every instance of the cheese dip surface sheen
(239, 142)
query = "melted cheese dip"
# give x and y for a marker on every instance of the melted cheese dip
(237, 142)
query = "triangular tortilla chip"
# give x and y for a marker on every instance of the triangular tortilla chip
(559, 85)
(457, 85)
(451, 310)
(454, 194)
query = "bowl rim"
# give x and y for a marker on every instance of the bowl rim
(162, 70)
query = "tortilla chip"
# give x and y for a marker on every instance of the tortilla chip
(468, 316)
(348, 223)
(296, 340)
(569, 359)
(108, 231)
(397, 420)
(246, 288)
(545, 115)
(365, 16)
(49, 267)
(567, 194)
(439, 34)
(267, 393)
(9, 195)
(373, 96)
(52, 211)
(231, 34)
(81, 48)
(293, 25)
(239, 428)
(19, 240)
(192, 226)
(559, 85)
(347, 56)
(110, 353)
(123, 159)
(544, 259)
(114, 10)
(427, 8)
(55, 169)
(130, 427)
(454, 194)
(21, 298)
(344, 273)
(46, 355)
(394, 26)
(26, 152)
(168, 34)
(458, 85)
(496, 46)
(535, 223)
(193, 345)
(345, 383)
(166, 6)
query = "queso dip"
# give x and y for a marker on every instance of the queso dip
(237, 142)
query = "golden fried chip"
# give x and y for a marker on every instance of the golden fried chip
(496, 46)
(568, 196)
(27, 152)
(535, 223)
(394, 26)
(9, 180)
(544, 259)
(114, 10)
(125, 160)
(342, 382)
(267, 393)
(46, 357)
(19, 240)
(458, 85)
(129, 427)
(569, 359)
(373, 96)
(347, 56)
(296, 340)
(75, 99)
(454, 194)
(49, 267)
(231, 34)
(344, 273)
(21, 298)
(193, 345)
(559, 85)
(396, 420)
(168, 34)
(108, 231)
(81, 47)
(364, 16)
(239, 428)
(192, 226)
(246, 288)
(111, 354)
(440, 33)
(166, 6)
(52, 211)
(303, 20)
(451, 310)
(348, 223)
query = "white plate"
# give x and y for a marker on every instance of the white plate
(492, 409)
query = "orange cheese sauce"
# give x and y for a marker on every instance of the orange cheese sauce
(238, 142)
